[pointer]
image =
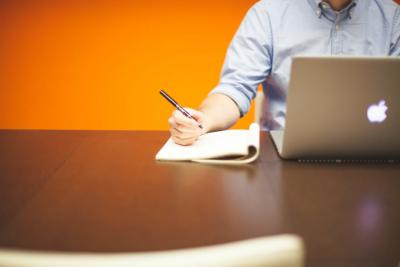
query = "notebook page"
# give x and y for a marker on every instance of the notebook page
(211, 145)
(253, 150)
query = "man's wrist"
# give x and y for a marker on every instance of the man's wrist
(206, 123)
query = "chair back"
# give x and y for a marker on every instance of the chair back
(279, 251)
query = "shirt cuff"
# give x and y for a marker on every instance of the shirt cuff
(240, 99)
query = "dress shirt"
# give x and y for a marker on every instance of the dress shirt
(273, 31)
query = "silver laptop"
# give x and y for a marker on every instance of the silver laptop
(342, 108)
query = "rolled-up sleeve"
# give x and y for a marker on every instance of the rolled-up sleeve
(395, 44)
(248, 60)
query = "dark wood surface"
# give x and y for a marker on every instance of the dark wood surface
(104, 192)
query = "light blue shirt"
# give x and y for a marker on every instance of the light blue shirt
(274, 31)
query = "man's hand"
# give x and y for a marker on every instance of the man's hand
(218, 112)
(185, 131)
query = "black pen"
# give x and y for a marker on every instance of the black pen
(178, 107)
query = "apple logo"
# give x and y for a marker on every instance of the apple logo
(377, 112)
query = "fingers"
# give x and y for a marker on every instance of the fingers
(197, 115)
(185, 131)
(183, 120)
(183, 142)
(183, 134)
(184, 138)
(182, 123)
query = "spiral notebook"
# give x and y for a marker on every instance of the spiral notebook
(223, 147)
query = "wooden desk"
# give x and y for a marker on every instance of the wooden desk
(104, 192)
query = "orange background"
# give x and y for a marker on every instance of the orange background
(100, 64)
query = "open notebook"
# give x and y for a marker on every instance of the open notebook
(223, 147)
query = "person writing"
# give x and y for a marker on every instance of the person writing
(272, 32)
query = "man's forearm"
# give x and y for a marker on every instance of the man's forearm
(220, 112)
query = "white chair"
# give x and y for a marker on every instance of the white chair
(279, 251)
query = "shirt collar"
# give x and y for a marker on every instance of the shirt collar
(317, 7)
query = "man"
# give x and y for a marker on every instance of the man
(274, 31)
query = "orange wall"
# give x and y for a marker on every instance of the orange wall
(100, 64)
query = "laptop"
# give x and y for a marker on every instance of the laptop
(342, 108)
